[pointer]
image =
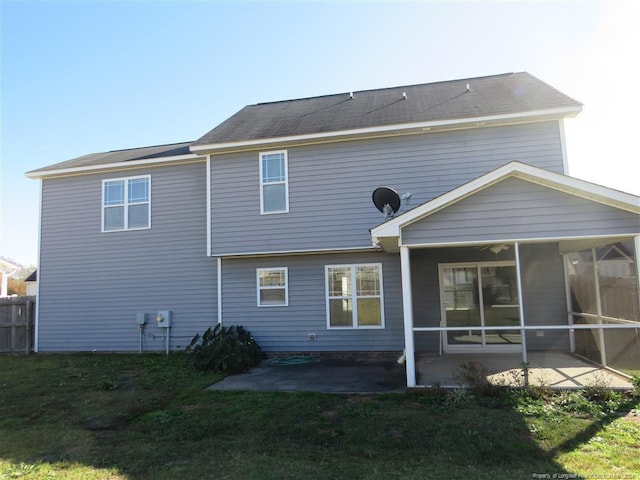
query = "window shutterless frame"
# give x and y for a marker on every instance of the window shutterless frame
(126, 193)
(274, 182)
(274, 285)
(353, 292)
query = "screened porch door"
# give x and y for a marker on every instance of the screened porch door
(480, 295)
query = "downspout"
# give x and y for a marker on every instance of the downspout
(36, 328)
(208, 208)
(219, 275)
(209, 247)
(407, 308)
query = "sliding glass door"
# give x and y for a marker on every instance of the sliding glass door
(480, 295)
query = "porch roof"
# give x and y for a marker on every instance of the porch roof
(498, 190)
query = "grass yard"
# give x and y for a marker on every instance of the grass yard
(93, 416)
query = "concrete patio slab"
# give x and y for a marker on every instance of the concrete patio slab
(551, 369)
(326, 375)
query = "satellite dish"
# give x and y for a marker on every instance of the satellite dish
(386, 200)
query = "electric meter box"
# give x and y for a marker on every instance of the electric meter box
(163, 318)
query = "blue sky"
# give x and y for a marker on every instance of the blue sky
(87, 76)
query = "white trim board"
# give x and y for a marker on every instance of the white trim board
(128, 165)
(590, 239)
(281, 253)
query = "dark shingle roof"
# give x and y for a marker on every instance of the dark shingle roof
(118, 156)
(493, 95)
(33, 277)
(430, 102)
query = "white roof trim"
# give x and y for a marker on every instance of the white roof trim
(570, 185)
(452, 123)
(279, 253)
(593, 239)
(118, 165)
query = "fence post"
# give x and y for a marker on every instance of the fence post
(15, 313)
(28, 318)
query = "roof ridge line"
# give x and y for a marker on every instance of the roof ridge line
(312, 97)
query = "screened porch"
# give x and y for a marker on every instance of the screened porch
(567, 312)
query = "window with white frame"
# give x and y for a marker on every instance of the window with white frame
(274, 182)
(272, 286)
(126, 203)
(354, 296)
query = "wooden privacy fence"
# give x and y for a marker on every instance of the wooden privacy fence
(16, 324)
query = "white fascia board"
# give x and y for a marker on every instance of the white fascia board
(113, 166)
(591, 239)
(570, 185)
(388, 129)
(281, 253)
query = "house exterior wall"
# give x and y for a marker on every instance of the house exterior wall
(517, 209)
(330, 184)
(286, 328)
(93, 284)
(544, 301)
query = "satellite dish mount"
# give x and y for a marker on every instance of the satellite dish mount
(387, 201)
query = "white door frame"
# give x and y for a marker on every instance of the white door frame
(481, 348)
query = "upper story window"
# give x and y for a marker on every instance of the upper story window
(354, 296)
(126, 203)
(272, 284)
(274, 182)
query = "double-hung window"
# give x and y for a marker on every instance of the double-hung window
(272, 287)
(274, 182)
(354, 296)
(126, 203)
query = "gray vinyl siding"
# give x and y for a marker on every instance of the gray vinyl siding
(544, 300)
(330, 184)
(517, 209)
(92, 284)
(286, 328)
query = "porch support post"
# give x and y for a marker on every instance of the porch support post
(525, 359)
(407, 308)
(636, 243)
(567, 289)
(600, 333)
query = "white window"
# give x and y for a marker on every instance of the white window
(354, 296)
(274, 182)
(272, 286)
(126, 203)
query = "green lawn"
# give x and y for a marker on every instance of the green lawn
(148, 417)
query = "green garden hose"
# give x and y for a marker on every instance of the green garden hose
(289, 361)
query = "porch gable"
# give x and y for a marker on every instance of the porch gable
(517, 209)
(514, 202)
